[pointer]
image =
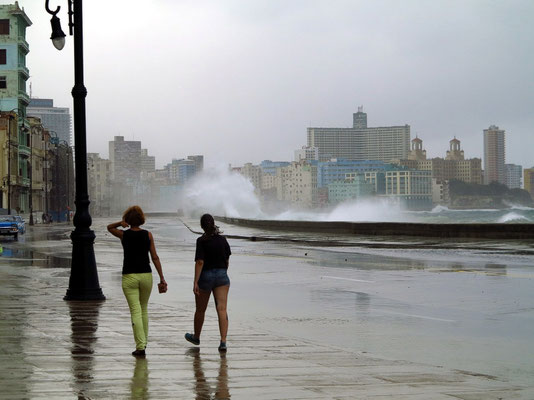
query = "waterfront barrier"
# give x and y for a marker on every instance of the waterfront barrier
(475, 230)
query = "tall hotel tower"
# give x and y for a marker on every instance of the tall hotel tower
(494, 155)
(361, 142)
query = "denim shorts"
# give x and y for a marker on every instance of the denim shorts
(212, 278)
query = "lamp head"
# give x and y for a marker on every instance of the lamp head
(58, 37)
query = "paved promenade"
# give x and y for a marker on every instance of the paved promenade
(52, 349)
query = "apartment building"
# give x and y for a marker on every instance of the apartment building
(494, 155)
(361, 142)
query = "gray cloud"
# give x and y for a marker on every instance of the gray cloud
(240, 81)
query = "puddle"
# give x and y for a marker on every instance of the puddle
(34, 258)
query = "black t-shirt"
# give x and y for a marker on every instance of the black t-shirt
(214, 250)
(136, 245)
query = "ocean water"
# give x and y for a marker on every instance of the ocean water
(515, 214)
(230, 194)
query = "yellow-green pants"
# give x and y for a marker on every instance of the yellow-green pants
(137, 288)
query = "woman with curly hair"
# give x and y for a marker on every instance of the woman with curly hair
(136, 272)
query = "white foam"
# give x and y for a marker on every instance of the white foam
(512, 216)
(221, 192)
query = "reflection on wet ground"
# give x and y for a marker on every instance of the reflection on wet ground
(203, 388)
(139, 384)
(24, 256)
(84, 325)
(294, 305)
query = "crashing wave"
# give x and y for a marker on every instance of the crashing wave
(513, 217)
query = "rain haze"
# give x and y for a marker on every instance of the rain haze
(370, 254)
(240, 81)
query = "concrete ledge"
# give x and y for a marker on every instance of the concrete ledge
(479, 231)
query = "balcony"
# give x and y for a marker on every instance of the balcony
(24, 96)
(23, 44)
(24, 150)
(21, 181)
(23, 70)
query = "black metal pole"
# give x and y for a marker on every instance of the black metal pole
(83, 282)
(57, 183)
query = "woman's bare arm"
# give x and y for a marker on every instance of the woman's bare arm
(199, 264)
(155, 258)
(112, 228)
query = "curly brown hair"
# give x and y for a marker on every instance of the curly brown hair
(134, 216)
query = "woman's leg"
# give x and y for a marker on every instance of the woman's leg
(130, 287)
(145, 288)
(220, 294)
(201, 301)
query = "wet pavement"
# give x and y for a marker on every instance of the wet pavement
(52, 349)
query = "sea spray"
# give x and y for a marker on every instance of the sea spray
(221, 192)
(367, 210)
(513, 217)
(225, 193)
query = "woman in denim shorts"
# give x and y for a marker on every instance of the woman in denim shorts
(211, 265)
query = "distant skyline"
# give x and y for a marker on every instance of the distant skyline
(241, 81)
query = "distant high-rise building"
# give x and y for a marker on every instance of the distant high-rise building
(359, 119)
(99, 184)
(361, 142)
(181, 170)
(529, 181)
(125, 157)
(55, 119)
(148, 163)
(13, 51)
(513, 175)
(199, 162)
(494, 155)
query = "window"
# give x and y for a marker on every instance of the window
(3, 82)
(3, 56)
(4, 27)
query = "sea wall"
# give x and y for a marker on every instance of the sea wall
(481, 231)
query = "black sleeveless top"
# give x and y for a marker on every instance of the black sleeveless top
(136, 245)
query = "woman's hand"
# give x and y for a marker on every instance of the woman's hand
(162, 286)
(124, 224)
(196, 289)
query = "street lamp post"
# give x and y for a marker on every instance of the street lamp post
(83, 282)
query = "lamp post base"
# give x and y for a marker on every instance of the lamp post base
(80, 294)
(83, 282)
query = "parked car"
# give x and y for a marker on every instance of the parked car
(9, 226)
(20, 223)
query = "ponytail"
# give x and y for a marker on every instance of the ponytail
(208, 225)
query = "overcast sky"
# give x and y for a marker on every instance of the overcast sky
(240, 81)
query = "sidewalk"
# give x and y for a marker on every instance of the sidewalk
(52, 349)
